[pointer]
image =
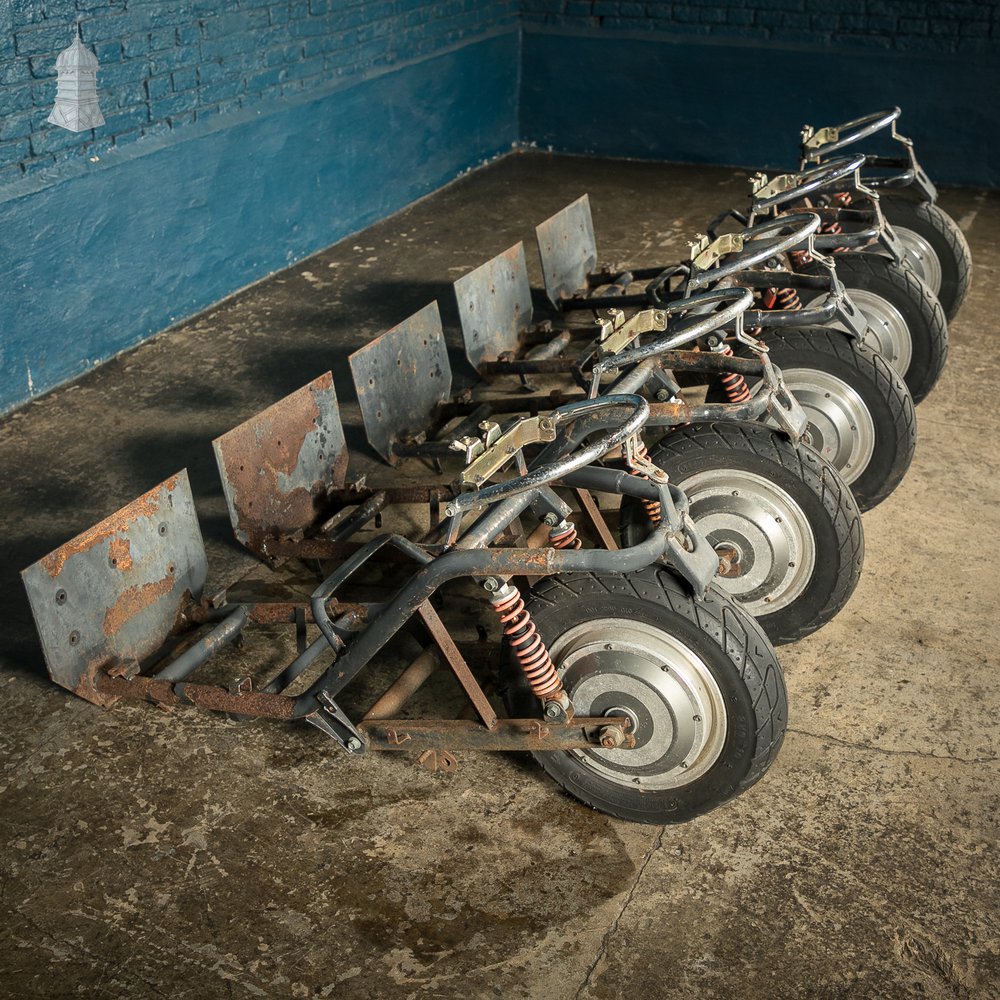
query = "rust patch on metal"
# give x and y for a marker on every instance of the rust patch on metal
(439, 632)
(596, 518)
(98, 687)
(134, 600)
(270, 447)
(120, 554)
(144, 507)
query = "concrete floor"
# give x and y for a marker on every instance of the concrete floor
(182, 855)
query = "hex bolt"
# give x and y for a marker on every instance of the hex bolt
(611, 737)
(491, 584)
(551, 519)
(553, 710)
(354, 744)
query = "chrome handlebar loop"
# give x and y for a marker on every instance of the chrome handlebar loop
(637, 413)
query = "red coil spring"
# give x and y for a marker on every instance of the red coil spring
(734, 385)
(787, 299)
(565, 537)
(800, 257)
(653, 511)
(833, 229)
(527, 643)
(843, 198)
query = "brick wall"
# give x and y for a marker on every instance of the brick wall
(901, 25)
(166, 64)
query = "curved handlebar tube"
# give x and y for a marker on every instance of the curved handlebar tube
(636, 413)
(737, 301)
(812, 180)
(802, 225)
(846, 134)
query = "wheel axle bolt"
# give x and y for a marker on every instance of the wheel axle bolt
(612, 737)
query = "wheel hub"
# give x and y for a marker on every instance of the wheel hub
(889, 334)
(921, 256)
(760, 530)
(617, 666)
(840, 426)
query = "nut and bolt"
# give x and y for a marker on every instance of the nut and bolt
(354, 744)
(553, 710)
(551, 519)
(612, 737)
(491, 584)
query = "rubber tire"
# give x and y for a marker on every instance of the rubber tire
(730, 643)
(813, 483)
(946, 240)
(919, 308)
(881, 390)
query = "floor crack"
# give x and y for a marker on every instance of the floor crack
(894, 753)
(609, 933)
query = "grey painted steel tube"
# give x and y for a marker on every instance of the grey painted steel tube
(191, 659)
(475, 562)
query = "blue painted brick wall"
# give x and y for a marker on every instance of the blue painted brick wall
(902, 25)
(165, 64)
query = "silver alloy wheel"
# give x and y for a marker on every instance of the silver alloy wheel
(615, 666)
(922, 256)
(889, 335)
(764, 526)
(840, 426)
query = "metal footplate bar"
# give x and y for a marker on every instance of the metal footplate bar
(494, 305)
(508, 734)
(401, 378)
(279, 468)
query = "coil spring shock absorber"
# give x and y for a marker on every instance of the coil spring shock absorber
(734, 384)
(833, 228)
(515, 619)
(785, 299)
(641, 452)
(563, 536)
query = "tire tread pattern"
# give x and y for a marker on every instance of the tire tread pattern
(872, 367)
(716, 616)
(813, 471)
(957, 279)
(930, 343)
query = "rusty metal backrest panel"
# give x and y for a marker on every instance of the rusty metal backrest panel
(494, 304)
(278, 466)
(568, 250)
(400, 378)
(114, 593)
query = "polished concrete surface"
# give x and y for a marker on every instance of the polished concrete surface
(145, 853)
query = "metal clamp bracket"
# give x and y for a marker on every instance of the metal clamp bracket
(338, 726)
(622, 332)
(501, 448)
(705, 252)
